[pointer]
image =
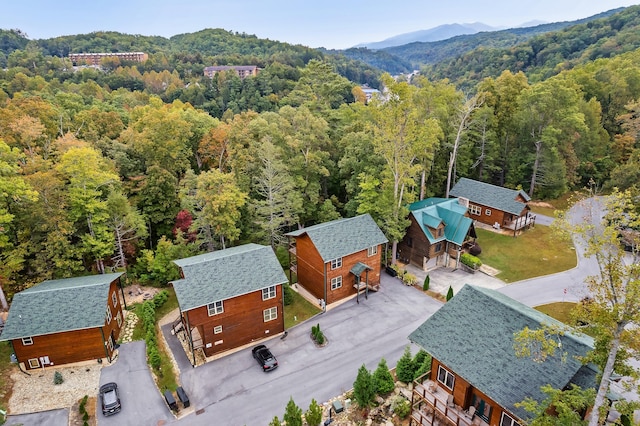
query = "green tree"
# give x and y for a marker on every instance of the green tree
(568, 406)
(450, 293)
(126, 223)
(292, 414)
(402, 135)
(405, 367)
(382, 378)
(313, 416)
(275, 422)
(363, 388)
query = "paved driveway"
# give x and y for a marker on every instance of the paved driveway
(142, 403)
(45, 418)
(234, 391)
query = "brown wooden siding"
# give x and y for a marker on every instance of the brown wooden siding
(63, 348)
(463, 392)
(310, 266)
(348, 279)
(242, 321)
(420, 246)
(496, 215)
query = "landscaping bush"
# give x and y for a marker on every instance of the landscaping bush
(57, 378)
(408, 278)
(423, 367)
(275, 422)
(160, 298)
(425, 284)
(154, 357)
(470, 260)
(317, 334)
(405, 369)
(363, 388)
(293, 414)
(313, 416)
(449, 293)
(288, 294)
(382, 379)
(82, 409)
(401, 406)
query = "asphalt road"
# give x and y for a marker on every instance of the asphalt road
(44, 418)
(233, 390)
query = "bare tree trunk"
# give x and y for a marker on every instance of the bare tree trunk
(606, 376)
(3, 300)
(423, 184)
(536, 164)
(464, 116)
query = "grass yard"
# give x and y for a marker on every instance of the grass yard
(559, 310)
(300, 310)
(6, 368)
(548, 207)
(534, 253)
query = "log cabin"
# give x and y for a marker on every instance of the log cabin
(494, 205)
(338, 259)
(65, 321)
(230, 298)
(475, 376)
(439, 230)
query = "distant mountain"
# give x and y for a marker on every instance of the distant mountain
(438, 33)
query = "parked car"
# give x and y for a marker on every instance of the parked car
(110, 399)
(265, 358)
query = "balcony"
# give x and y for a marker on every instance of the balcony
(432, 405)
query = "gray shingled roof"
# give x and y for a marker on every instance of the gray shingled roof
(489, 195)
(59, 305)
(342, 237)
(224, 274)
(472, 334)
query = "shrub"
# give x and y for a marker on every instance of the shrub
(470, 260)
(154, 357)
(401, 406)
(313, 416)
(275, 422)
(317, 334)
(57, 378)
(382, 379)
(288, 294)
(363, 388)
(425, 284)
(405, 369)
(292, 414)
(85, 417)
(409, 278)
(423, 367)
(449, 293)
(160, 298)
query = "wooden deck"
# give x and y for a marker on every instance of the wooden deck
(431, 407)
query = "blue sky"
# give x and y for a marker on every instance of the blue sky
(328, 23)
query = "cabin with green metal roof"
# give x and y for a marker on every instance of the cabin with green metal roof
(230, 298)
(440, 228)
(338, 259)
(65, 321)
(502, 208)
(475, 373)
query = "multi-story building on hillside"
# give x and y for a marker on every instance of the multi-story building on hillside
(95, 58)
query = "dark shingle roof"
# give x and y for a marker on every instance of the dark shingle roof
(343, 237)
(472, 334)
(59, 305)
(224, 274)
(433, 211)
(490, 195)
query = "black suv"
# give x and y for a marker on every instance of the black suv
(110, 399)
(265, 358)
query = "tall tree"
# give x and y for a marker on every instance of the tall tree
(126, 223)
(402, 135)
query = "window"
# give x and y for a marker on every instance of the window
(440, 232)
(217, 329)
(445, 377)
(507, 420)
(109, 315)
(483, 408)
(26, 341)
(119, 319)
(372, 251)
(487, 212)
(336, 282)
(336, 263)
(475, 210)
(34, 363)
(269, 292)
(438, 247)
(110, 344)
(270, 314)
(215, 308)
(114, 299)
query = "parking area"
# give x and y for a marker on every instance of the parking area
(142, 403)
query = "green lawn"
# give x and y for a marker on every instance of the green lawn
(300, 310)
(534, 253)
(559, 310)
(6, 368)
